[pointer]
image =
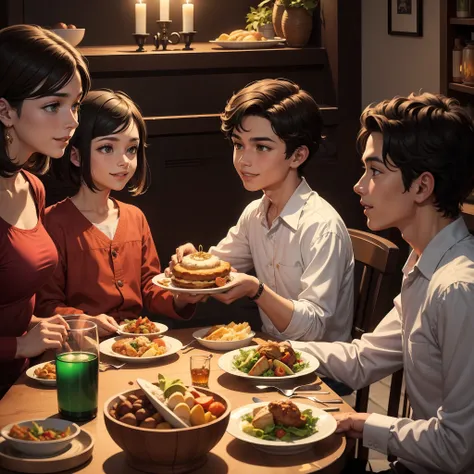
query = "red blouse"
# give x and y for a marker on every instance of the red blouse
(97, 275)
(27, 260)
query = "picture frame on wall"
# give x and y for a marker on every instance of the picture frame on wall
(405, 17)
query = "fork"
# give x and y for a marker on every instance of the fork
(288, 392)
(188, 344)
(317, 400)
(103, 366)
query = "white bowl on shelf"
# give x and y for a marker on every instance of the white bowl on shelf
(72, 35)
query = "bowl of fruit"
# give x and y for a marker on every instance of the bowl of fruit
(69, 33)
(166, 427)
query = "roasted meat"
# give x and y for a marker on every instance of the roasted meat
(286, 413)
(262, 418)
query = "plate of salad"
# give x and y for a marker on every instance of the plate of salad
(268, 362)
(281, 427)
(141, 325)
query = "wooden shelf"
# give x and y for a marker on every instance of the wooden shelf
(462, 21)
(454, 86)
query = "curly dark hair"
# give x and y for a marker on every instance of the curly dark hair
(293, 113)
(426, 133)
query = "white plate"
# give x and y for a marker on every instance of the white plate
(153, 394)
(31, 374)
(160, 329)
(221, 345)
(225, 363)
(326, 426)
(42, 448)
(193, 291)
(248, 44)
(172, 346)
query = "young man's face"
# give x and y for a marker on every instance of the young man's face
(259, 155)
(114, 158)
(383, 196)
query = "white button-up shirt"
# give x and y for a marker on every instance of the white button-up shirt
(305, 256)
(430, 333)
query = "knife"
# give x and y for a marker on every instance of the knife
(259, 400)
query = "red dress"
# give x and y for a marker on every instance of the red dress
(27, 259)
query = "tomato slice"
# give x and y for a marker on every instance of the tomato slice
(279, 371)
(221, 281)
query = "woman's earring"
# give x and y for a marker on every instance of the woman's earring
(8, 137)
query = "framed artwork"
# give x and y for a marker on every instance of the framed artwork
(405, 17)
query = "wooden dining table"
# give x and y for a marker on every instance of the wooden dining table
(28, 399)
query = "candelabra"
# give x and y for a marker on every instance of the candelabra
(162, 38)
(140, 39)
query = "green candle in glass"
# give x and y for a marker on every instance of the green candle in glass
(77, 372)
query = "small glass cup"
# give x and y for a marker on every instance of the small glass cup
(200, 369)
(77, 372)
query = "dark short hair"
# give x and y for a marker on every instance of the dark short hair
(34, 63)
(426, 133)
(105, 112)
(293, 113)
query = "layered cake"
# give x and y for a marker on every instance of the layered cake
(200, 270)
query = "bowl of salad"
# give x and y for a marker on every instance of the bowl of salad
(41, 437)
(141, 325)
(281, 427)
(269, 361)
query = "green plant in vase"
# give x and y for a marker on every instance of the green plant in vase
(297, 21)
(260, 19)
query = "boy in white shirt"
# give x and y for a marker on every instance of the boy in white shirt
(295, 240)
(419, 168)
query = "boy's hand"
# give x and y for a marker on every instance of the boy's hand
(352, 424)
(247, 285)
(181, 251)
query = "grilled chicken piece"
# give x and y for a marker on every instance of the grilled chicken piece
(262, 418)
(260, 366)
(286, 413)
(271, 350)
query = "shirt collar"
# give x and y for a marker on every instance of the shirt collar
(437, 248)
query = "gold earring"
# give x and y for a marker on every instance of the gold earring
(8, 137)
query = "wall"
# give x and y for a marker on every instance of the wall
(398, 65)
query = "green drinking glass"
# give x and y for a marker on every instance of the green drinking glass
(77, 372)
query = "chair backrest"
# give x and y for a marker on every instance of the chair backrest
(376, 271)
(376, 266)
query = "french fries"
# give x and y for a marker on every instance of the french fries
(229, 332)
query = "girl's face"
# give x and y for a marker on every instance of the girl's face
(114, 158)
(45, 125)
(260, 155)
(383, 196)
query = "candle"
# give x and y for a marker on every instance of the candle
(188, 17)
(140, 18)
(164, 10)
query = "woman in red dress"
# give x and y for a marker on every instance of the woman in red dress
(42, 83)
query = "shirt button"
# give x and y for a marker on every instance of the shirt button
(119, 283)
(114, 253)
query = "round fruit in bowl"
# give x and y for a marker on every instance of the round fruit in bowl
(152, 444)
(69, 32)
(41, 437)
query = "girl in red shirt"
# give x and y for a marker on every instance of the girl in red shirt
(107, 257)
(43, 80)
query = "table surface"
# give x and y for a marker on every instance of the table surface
(28, 399)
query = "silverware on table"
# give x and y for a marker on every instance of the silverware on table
(103, 366)
(317, 400)
(258, 400)
(288, 392)
(188, 344)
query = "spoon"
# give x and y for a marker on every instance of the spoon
(288, 392)
(259, 400)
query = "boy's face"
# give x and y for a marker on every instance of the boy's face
(259, 155)
(383, 196)
(114, 158)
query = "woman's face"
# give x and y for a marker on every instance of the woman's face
(45, 125)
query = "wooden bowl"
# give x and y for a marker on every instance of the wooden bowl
(166, 451)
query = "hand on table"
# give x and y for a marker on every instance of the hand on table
(48, 333)
(352, 424)
(106, 325)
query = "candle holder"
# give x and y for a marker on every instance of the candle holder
(162, 38)
(188, 39)
(140, 39)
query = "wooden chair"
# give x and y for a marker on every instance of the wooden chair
(376, 273)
